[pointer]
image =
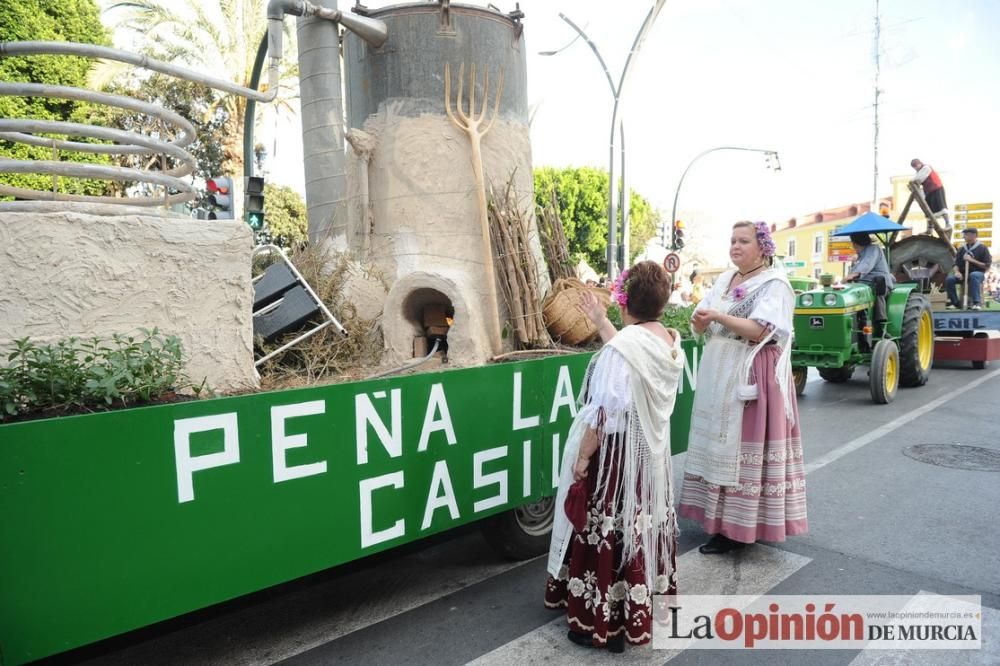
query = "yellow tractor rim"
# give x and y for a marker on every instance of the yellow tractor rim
(891, 373)
(925, 340)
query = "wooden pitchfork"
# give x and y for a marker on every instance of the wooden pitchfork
(475, 125)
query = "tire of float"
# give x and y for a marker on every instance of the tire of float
(522, 533)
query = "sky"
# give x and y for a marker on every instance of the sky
(793, 76)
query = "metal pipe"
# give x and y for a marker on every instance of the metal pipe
(677, 192)
(410, 365)
(322, 116)
(139, 60)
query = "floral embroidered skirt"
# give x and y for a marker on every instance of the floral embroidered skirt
(601, 597)
(770, 501)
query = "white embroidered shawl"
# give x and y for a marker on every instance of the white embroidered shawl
(641, 455)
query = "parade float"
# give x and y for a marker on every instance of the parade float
(113, 520)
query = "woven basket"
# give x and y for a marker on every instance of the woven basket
(564, 314)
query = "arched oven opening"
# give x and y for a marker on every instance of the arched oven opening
(432, 316)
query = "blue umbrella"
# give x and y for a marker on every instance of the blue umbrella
(870, 223)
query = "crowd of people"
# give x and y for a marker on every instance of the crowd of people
(614, 537)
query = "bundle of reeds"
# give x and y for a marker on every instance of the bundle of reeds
(554, 245)
(517, 270)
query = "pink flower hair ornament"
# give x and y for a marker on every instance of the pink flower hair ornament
(767, 246)
(619, 291)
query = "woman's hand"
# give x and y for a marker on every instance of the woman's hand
(592, 307)
(580, 468)
(702, 318)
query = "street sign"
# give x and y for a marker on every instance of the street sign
(798, 263)
(672, 262)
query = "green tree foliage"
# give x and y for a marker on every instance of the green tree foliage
(216, 36)
(285, 215)
(48, 20)
(583, 208)
(193, 101)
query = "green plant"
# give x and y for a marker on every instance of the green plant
(674, 316)
(76, 374)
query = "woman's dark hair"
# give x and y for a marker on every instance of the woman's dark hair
(649, 287)
(864, 240)
(694, 274)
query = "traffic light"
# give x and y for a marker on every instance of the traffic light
(220, 198)
(664, 239)
(253, 202)
(678, 243)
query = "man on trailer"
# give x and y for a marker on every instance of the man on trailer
(975, 258)
(927, 177)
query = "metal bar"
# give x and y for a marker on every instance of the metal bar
(677, 192)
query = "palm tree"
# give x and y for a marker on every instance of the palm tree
(219, 37)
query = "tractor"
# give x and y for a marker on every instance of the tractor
(835, 330)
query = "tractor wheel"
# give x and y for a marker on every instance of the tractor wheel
(837, 375)
(916, 344)
(799, 377)
(979, 365)
(884, 375)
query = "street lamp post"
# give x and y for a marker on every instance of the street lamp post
(617, 94)
(771, 154)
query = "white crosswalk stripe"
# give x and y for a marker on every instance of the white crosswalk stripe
(989, 653)
(752, 572)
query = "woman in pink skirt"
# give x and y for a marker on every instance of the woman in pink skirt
(744, 478)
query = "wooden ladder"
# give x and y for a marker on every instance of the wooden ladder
(917, 194)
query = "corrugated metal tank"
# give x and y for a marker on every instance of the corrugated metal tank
(415, 213)
(408, 69)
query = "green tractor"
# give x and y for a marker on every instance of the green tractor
(835, 329)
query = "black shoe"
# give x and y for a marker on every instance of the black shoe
(616, 645)
(580, 639)
(719, 544)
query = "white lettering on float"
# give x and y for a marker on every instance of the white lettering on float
(440, 480)
(526, 469)
(691, 372)
(392, 440)
(436, 404)
(555, 460)
(563, 395)
(480, 480)
(369, 537)
(281, 442)
(520, 422)
(186, 464)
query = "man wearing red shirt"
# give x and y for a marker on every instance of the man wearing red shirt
(933, 191)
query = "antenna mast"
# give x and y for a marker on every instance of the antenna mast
(878, 31)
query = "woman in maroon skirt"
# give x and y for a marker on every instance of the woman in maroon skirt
(605, 569)
(744, 478)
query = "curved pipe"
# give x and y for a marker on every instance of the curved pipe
(408, 366)
(139, 60)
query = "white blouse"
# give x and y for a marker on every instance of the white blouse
(609, 388)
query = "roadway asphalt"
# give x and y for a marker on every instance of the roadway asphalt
(881, 522)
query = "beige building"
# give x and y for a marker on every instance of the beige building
(808, 247)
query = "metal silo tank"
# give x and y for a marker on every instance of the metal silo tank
(418, 211)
